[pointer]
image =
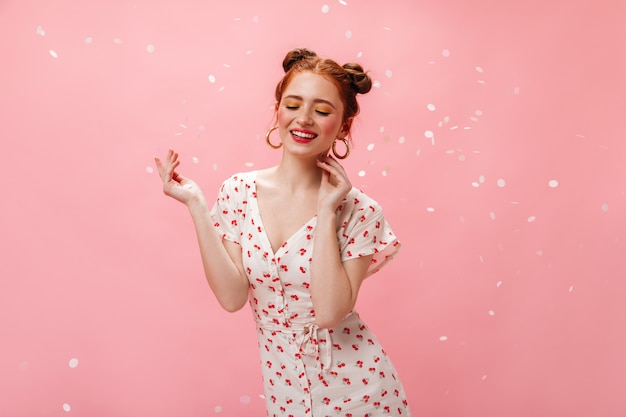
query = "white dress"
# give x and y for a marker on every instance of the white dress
(309, 371)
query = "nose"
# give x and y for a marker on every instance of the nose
(304, 118)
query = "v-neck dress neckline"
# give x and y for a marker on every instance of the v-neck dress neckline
(284, 246)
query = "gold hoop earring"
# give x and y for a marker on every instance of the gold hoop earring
(267, 138)
(345, 155)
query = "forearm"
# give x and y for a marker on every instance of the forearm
(225, 277)
(331, 290)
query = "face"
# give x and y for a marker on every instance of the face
(310, 115)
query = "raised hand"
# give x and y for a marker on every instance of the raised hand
(334, 186)
(175, 185)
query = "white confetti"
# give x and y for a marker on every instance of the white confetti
(325, 8)
(53, 53)
(376, 84)
(484, 377)
(212, 79)
(343, 2)
(492, 215)
(501, 183)
(475, 184)
(443, 338)
(88, 40)
(218, 408)
(150, 48)
(430, 209)
(571, 288)
(480, 69)
(370, 147)
(388, 73)
(445, 53)
(481, 179)
(430, 107)
(498, 284)
(67, 408)
(553, 183)
(401, 139)
(429, 134)
(348, 34)
(149, 169)
(492, 313)
(245, 399)
(478, 112)
(195, 160)
(605, 207)
(531, 219)
(40, 31)
(73, 363)
(117, 41)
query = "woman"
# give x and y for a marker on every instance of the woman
(296, 241)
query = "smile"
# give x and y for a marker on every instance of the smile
(303, 135)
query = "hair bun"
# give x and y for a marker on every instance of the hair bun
(296, 55)
(361, 82)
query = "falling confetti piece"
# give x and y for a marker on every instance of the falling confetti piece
(531, 219)
(195, 159)
(361, 173)
(430, 107)
(484, 377)
(325, 8)
(475, 184)
(67, 408)
(443, 338)
(401, 139)
(492, 215)
(492, 313)
(370, 147)
(540, 253)
(388, 73)
(430, 209)
(498, 284)
(376, 84)
(445, 53)
(212, 79)
(53, 53)
(117, 41)
(343, 2)
(245, 399)
(571, 288)
(478, 112)
(218, 409)
(88, 40)
(480, 69)
(553, 183)
(348, 34)
(481, 179)
(150, 48)
(605, 207)
(73, 363)
(501, 183)
(429, 134)
(149, 169)
(40, 31)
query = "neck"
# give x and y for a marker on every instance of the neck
(297, 174)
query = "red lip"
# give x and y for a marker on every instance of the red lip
(300, 139)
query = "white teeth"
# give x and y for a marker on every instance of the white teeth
(303, 135)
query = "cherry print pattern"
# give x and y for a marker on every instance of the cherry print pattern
(309, 371)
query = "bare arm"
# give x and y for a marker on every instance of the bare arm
(222, 262)
(334, 284)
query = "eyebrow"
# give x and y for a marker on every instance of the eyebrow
(317, 100)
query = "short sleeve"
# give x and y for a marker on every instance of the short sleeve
(227, 214)
(364, 231)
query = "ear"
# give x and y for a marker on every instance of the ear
(345, 129)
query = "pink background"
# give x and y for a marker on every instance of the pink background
(494, 140)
